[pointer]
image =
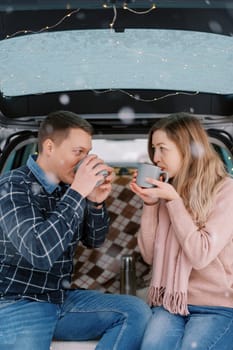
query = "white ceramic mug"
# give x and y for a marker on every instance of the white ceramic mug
(149, 170)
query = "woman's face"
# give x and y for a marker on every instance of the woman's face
(166, 154)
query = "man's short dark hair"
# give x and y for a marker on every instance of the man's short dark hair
(57, 125)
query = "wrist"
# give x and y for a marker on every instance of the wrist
(150, 204)
(96, 205)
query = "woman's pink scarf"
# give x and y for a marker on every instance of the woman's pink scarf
(171, 268)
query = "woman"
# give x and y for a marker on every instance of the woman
(187, 236)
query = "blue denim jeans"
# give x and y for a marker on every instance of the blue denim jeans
(205, 328)
(118, 321)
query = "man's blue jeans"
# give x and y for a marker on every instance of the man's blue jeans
(206, 328)
(118, 320)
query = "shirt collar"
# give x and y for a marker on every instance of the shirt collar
(41, 176)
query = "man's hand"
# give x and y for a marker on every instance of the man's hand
(87, 177)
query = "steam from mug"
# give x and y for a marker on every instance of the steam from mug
(149, 170)
(103, 172)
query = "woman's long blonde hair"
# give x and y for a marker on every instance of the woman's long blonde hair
(202, 170)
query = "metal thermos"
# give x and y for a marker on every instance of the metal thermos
(128, 275)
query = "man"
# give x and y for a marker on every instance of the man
(46, 209)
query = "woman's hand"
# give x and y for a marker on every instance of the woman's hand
(162, 190)
(139, 191)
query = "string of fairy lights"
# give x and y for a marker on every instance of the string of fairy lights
(138, 98)
(44, 29)
(111, 26)
(125, 7)
(105, 6)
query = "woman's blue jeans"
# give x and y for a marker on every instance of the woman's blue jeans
(118, 320)
(205, 328)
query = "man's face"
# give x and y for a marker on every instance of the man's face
(68, 153)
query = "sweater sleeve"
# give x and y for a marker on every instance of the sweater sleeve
(147, 232)
(203, 245)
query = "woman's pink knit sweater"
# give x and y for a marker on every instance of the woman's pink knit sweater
(209, 250)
